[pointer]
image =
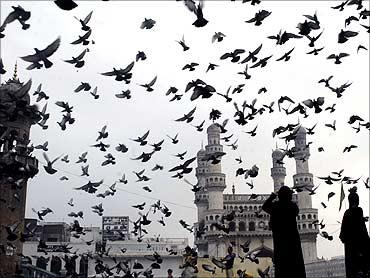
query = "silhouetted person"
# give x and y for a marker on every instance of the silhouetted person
(169, 273)
(355, 238)
(288, 257)
(229, 262)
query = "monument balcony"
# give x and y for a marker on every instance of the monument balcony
(17, 164)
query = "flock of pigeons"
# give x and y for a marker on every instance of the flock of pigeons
(309, 29)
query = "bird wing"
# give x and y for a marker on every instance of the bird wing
(308, 103)
(139, 157)
(188, 162)
(257, 50)
(46, 157)
(86, 35)
(56, 159)
(109, 73)
(79, 57)
(350, 33)
(256, 64)
(320, 101)
(190, 4)
(341, 55)
(292, 36)
(263, 14)
(128, 68)
(31, 58)
(251, 20)
(153, 81)
(290, 51)
(282, 57)
(79, 88)
(51, 48)
(145, 135)
(225, 56)
(191, 112)
(87, 18)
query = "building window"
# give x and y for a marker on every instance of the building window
(252, 226)
(303, 217)
(304, 226)
(242, 226)
(309, 216)
(232, 226)
(211, 218)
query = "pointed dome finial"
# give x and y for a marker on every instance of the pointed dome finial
(201, 146)
(15, 75)
(233, 189)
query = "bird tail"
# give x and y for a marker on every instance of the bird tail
(48, 64)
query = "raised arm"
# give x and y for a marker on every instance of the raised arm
(268, 204)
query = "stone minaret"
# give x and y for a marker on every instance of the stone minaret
(16, 167)
(303, 180)
(201, 200)
(210, 201)
(278, 171)
(215, 186)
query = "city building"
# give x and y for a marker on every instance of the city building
(250, 222)
(17, 165)
(89, 246)
(115, 228)
(322, 268)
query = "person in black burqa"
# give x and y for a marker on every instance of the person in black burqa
(355, 238)
(288, 257)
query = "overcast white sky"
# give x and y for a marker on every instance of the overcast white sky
(115, 30)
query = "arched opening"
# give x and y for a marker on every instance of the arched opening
(55, 265)
(232, 226)
(41, 262)
(242, 227)
(84, 264)
(252, 226)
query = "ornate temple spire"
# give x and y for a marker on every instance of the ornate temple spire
(15, 74)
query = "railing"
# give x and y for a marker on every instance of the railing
(31, 271)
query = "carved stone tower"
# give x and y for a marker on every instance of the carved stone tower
(278, 171)
(16, 167)
(303, 180)
(210, 200)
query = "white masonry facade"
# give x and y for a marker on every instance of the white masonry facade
(250, 221)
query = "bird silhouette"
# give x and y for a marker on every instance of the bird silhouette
(42, 56)
(49, 167)
(259, 17)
